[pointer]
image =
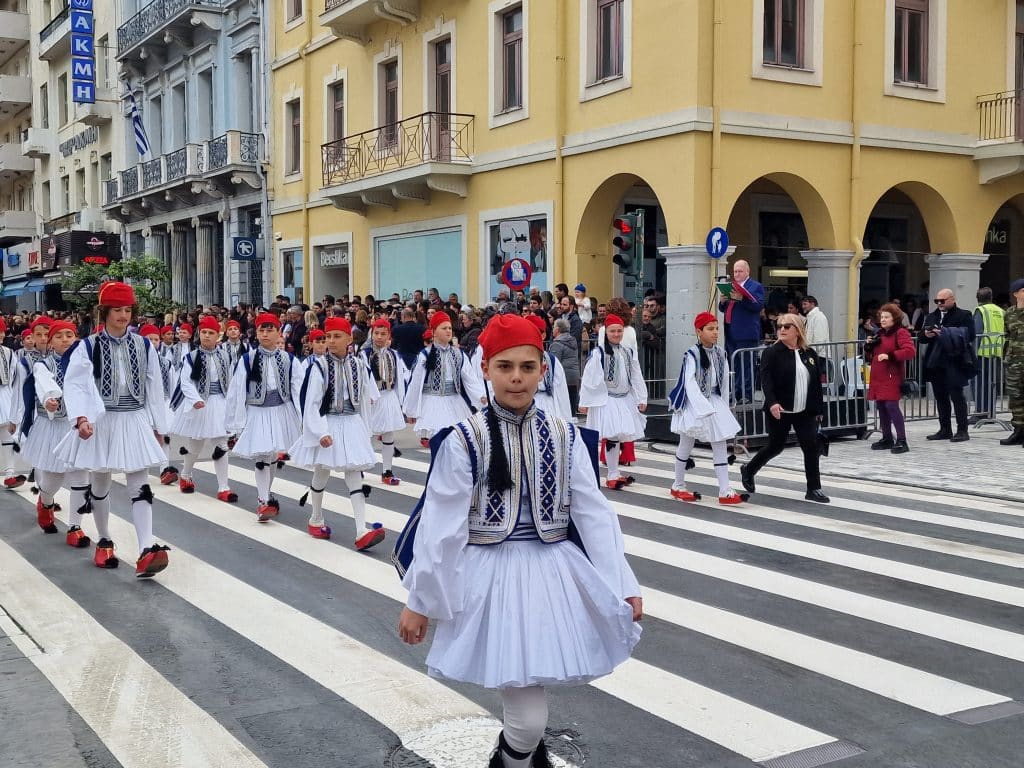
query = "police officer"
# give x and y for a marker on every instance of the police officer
(1013, 366)
(988, 325)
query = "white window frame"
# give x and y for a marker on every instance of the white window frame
(590, 87)
(935, 89)
(430, 37)
(338, 76)
(496, 117)
(492, 217)
(389, 54)
(286, 98)
(813, 69)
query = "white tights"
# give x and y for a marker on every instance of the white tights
(220, 466)
(719, 451)
(354, 481)
(142, 508)
(264, 479)
(611, 458)
(525, 718)
(387, 450)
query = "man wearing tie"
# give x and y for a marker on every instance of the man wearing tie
(743, 327)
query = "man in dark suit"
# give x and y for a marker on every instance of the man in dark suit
(949, 336)
(743, 327)
(407, 337)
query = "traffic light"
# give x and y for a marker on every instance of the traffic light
(628, 243)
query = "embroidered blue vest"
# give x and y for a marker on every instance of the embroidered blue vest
(677, 397)
(54, 366)
(132, 350)
(215, 363)
(383, 365)
(256, 393)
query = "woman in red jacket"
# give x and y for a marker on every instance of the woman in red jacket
(889, 350)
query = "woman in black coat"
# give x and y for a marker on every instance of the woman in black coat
(791, 381)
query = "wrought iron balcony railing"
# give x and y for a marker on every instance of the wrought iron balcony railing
(154, 17)
(433, 137)
(49, 29)
(1001, 116)
(110, 191)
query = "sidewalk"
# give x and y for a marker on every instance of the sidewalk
(980, 467)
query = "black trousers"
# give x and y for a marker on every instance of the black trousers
(574, 397)
(806, 427)
(947, 400)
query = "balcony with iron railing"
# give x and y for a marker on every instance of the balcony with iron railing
(407, 160)
(235, 153)
(151, 25)
(1000, 149)
(349, 19)
(55, 37)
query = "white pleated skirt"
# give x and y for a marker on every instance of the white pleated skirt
(38, 450)
(533, 614)
(386, 414)
(206, 423)
(122, 441)
(440, 411)
(618, 420)
(268, 431)
(351, 449)
(718, 426)
(6, 400)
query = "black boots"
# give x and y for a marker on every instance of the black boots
(884, 444)
(945, 433)
(1015, 438)
(961, 436)
(900, 446)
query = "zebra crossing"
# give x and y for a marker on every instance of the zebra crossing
(780, 633)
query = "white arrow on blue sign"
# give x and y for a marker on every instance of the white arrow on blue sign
(717, 243)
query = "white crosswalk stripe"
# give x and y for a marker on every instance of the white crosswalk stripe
(403, 699)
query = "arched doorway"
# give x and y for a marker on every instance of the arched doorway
(1004, 244)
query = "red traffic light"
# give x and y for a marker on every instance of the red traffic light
(623, 225)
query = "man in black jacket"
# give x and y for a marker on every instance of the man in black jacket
(949, 371)
(407, 337)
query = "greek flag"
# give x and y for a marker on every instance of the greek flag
(141, 140)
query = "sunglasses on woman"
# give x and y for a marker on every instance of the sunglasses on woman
(784, 326)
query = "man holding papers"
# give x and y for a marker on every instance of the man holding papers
(742, 302)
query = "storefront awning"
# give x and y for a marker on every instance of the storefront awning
(37, 284)
(13, 289)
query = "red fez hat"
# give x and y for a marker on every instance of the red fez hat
(26, 332)
(610, 320)
(316, 334)
(703, 319)
(337, 324)
(267, 318)
(186, 327)
(538, 323)
(233, 324)
(209, 323)
(62, 325)
(428, 335)
(381, 323)
(41, 321)
(167, 329)
(438, 319)
(116, 294)
(3, 326)
(507, 331)
(147, 330)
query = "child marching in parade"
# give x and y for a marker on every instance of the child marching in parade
(613, 395)
(233, 346)
(553, 393)
(445, 388)
(389, 373)
(169, 378)
(261, 411)
(36, 352)
(334, 437)
(317, 345)
(701, 413)
(114, 398)
(491, 536)
(10, 393)
(202, 414)
(45, 425)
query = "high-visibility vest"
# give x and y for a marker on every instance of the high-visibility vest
(991, 343)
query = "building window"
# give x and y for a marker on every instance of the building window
(62, 99)
(338, 111)
(292, 284)
(910, 55)
(390, 102)
(80, 197)
(44, 106)
(784, 33)
(294, 9)
(45, 194)
(65, 194)
(609, 39)
(512, 59)
(103, 62)
(293, 143)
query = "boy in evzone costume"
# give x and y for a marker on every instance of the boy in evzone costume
(335, 394)
(699, 412)
(11, 374)
(444, 388)
(317, 346)
(613, 395)
(27, 343)
(553, 393)
(169, 379)
(44, 426)
(182, 345)
(202, 415)
(513, 513)
(261, 408)
(232, 345)
(114, 397)
(390, 374)
(37, 351)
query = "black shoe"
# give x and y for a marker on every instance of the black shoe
(1015, 438)
(747, 479)
(818, 496)
(961, 436)
(884, 444)
(901, 447)
(942, 434)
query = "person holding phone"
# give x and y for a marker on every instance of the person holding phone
(791, 380)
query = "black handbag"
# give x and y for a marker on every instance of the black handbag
(823, 443)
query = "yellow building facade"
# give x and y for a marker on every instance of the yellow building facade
(857, 150)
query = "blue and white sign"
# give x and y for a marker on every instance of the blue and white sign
(717, 243)
(244, 249)
(83, 52)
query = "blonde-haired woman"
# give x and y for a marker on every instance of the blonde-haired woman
(791, 381)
